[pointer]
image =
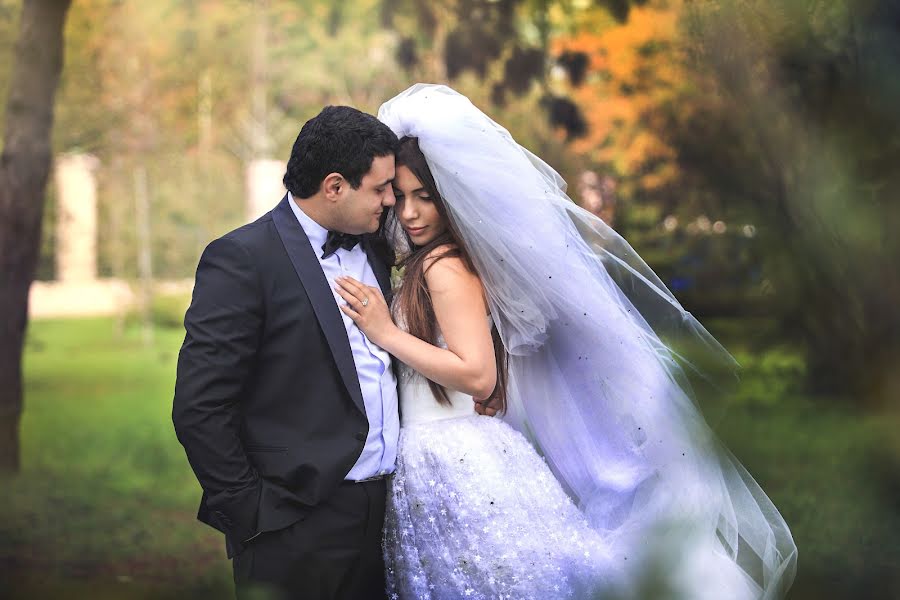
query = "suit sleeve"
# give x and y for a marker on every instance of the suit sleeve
(223, 327)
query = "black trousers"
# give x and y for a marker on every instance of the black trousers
(333, 554)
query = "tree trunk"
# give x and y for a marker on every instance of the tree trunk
(24, 168)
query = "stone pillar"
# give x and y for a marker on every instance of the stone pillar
(76, 223)
(264, 187)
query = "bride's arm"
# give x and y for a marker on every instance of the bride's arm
(468, 364)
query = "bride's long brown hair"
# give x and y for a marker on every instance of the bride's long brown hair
(413, 299)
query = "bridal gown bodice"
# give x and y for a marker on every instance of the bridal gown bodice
(417, 404)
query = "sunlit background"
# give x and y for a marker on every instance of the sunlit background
(748, 149)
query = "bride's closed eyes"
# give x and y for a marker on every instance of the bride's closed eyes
(420, 194)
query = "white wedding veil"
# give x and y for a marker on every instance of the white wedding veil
(597, 349)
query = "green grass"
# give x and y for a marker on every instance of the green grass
(105, 504)
(106, 496)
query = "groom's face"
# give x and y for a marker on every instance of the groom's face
(359, 211)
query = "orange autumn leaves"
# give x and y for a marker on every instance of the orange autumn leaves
(634, 73)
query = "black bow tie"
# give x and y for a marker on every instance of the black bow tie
(336, 240)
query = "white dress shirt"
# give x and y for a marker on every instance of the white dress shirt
(373, 365)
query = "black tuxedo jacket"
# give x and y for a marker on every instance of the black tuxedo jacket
(267, 400)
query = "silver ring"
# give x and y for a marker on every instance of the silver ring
(365, 301)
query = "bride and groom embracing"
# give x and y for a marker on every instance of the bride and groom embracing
(343, 432)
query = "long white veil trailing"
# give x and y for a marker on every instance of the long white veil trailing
(597, 348)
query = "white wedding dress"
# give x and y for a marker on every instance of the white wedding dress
(601, 361)
(474, 512)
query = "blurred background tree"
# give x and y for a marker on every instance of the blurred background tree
(792, 124)
(779, 119)
(24, 168)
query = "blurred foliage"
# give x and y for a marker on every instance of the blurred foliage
(191, 90)
(752, 143)
(794, 128)
(776, 121)
(163, 86)
(620, 73)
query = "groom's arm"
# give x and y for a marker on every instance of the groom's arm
(222, 335)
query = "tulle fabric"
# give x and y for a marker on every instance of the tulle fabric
(597, 348)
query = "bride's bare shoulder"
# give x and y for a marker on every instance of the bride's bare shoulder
(444, 267)
(444, 256)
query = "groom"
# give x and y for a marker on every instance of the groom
(287, 413)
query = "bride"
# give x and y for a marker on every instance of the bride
(603, 475)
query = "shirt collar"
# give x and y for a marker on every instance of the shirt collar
(315, 232)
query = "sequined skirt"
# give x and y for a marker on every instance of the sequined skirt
(474, 512)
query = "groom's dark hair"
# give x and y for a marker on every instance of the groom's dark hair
(340, 139)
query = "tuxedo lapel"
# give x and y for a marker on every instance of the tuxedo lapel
(318, 290)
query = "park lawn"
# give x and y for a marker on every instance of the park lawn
(106, 502)
(106, 497)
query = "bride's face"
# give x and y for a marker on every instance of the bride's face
(415, 209)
